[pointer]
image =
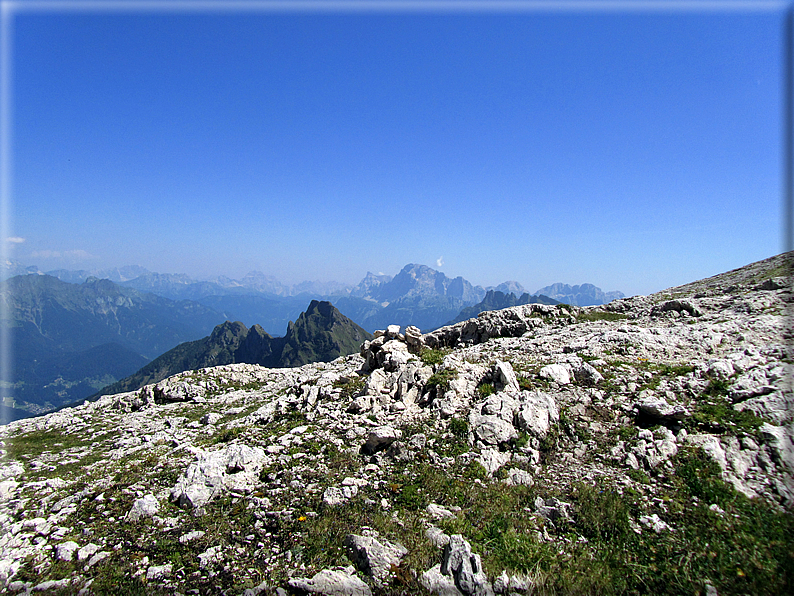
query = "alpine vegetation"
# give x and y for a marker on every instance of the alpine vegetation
(645, 446)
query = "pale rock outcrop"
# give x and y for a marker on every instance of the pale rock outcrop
(339, 581)
(557, 373)
(781, 443)
(587, 374)
(656, 407)
(654, 522)
(679, 306)
(438, 511)
(159, 571)
(65, 551)
(517, 476)
(374, 556)
(505, 377)
(235, 467)
(492, 420)
(537, 413)
(338, 495)
(511, 584)
(459, 573)
(380, 438)
(493, 459)
(146, 506)
(552, 509)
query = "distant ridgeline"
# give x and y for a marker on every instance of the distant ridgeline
(70, 340)
(320, 334)
(583, 295)
(495, 300)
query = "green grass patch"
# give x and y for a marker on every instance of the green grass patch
(486, 389)
(433, 356)
(350, 387)
(599, 315)
(440, 380)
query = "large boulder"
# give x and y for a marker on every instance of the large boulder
(339, 581)
(235, 467)
(374, 557)
(380, 438)
(537, 413)
(460, 572)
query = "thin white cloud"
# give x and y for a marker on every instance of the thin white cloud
(77, 254)
(440, 262)
(46, 254)
(15, 240)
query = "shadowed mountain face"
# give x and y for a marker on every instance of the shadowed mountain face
(69, 340)
(320, 334)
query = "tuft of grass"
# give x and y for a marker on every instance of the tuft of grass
(433, 356)
(459, 427)
(350, 387)
(441, 379)
(601, 514)
(486, 389)
(228, 434)
(599, 316)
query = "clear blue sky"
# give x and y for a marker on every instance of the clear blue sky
(632, 150)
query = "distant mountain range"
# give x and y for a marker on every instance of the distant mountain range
(70, 340)
(584, 295)
(320, 334)
(73, 338)
(495, 300)
(417, 295)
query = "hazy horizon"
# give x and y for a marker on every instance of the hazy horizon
(632, 149)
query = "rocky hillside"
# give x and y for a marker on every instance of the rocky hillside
(320, 334)
(642, 447)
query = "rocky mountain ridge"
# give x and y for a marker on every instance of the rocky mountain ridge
(644, 446)
(320, 334)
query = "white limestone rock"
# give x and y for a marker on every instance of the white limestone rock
(493, 459)
(334, 495)
(65, 551)
(505, 378)
(537, 413)
(339, 581)
(146, 506)
(235, 467)
(373, 556)
(656, 407)
(465, 567)
(556, 373)
(654, 522)
(156, 572)
(380, 438)
(517, 476)
(212, 555)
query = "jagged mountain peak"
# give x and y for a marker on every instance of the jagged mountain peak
(320, 334)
